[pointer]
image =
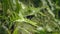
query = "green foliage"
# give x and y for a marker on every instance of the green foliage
(29, 17)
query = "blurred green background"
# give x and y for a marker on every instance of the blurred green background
(29, 16)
